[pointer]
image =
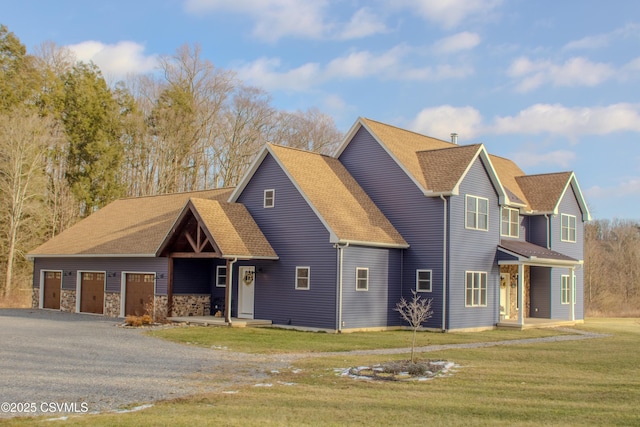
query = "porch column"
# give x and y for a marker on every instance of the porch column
(521, 294)
(572, 290)
(227, 291)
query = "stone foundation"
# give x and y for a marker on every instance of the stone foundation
(160, 303)
(112, 304)
(68, 300)
(191, 305)
(35, 298)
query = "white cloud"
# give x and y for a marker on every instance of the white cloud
(560, 158)
(575, 71)
(559, 120)
(457, 42)
(274, 19)
(363, 23)
(629, 187)
(603, 40)
(449, 13)
(115, 60)
(388, 65)
(441, 121)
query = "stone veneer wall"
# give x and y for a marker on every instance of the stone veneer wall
(35, 298)
(112, 304)
(191, 305)
(68, 300)
(513, 295)
(160, 303)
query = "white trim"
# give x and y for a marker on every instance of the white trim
(571, 289)
(272, 198)
(123, 288)
(477, 211)
(308, 278)
(573, 181)
(569, 228)
(418, 271)
(357, 279)
(249, 174)
(509, 222)
(79, 288)
(479, 287)
(218, 267)
(371, 244)
(31, 257)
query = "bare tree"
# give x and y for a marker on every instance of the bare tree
(415, 312)
(24, 138)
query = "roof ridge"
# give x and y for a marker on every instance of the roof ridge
(174, 194)
(544, 174)
(301, 150)
(409, 131)
(450, 148)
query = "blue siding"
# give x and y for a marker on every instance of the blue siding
(371, 308)
(540, 292)
(473, 250)
(191, 276)
(418, 218)
(563, 311)
(299, 239)
(537, 233)
(70, 266)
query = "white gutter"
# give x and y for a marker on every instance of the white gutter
(340, 281)
(227, 297)
(444, 266)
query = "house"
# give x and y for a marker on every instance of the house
(333, 242)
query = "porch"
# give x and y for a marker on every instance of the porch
(536, 323)
(220, 321)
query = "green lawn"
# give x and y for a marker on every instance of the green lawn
(587, 382)
(271, 340)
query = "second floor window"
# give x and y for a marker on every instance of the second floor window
(568, 228)
(510, 222)
(269, 198)
(477, 213)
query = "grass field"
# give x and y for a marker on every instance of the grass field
(588, 382)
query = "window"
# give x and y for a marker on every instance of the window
(565, 289)
(221, 276)
(269, 198)
(510, 222)
(302, 277)
(476, 289)
(477, 213)
(423, 280)
(362, 279)
(568, 228)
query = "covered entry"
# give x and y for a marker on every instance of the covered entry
(526, 282)
(91, 292)
(222, 233)
(51, 287)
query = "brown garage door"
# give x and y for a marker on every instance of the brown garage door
(139, 293)
(52, 285)
(92, 293)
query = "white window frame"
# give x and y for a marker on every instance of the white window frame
(509, 222)
(570, 226)
(269, 198)
(307, 278)
(565, 289)
(219, 275)
(478, 291)
(359, 279)
(418, 280)
(476, 213)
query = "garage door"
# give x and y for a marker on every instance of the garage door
(52, 285)
(92, 293)
(139, 293)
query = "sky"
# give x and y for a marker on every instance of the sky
(553, 85)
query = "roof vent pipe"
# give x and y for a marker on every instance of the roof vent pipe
(454, 138)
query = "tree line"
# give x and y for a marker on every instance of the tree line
(70, 142)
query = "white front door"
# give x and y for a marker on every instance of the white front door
(505, 301)
(246, 291)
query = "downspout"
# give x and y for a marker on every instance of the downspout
(227, 296)
(340, 281)
(548, 231)
(444, 266)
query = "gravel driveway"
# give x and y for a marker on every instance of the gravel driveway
(51, 356)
